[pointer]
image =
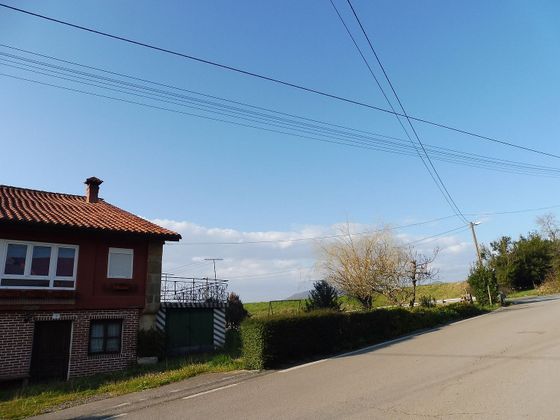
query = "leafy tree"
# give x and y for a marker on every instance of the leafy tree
(533, 257)
(482, 279)
(521, 264)
(501, 259)
(323, 296)
(235, 312)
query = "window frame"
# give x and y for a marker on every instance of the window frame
(51, 277)
(105, 323)
(127, 251)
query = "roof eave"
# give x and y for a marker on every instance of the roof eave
(171, 236)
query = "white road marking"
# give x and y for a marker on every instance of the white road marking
(121, 405)
(316, 362)
(118, 415)
(209, 391)
(175, 390)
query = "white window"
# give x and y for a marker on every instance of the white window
(120, 263)
(36, 265)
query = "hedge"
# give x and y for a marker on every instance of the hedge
(274, 341)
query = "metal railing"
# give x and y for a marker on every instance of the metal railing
(192, 289)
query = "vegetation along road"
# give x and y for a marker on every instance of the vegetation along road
(501, 365)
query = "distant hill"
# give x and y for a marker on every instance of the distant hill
(299, 295)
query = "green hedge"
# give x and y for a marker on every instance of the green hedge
(271, 342)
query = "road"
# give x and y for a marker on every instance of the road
(501, 365)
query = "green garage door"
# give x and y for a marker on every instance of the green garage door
(189, 329)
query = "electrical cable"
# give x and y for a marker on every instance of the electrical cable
(274, 80)
(445, 154)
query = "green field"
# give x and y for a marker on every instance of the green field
(438, 290)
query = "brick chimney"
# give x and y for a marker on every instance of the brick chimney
(92, 189)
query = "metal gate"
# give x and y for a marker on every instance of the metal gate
(189, 329)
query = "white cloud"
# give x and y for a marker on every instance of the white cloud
(276, 270)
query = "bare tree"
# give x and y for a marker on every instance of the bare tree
(354, 263)
(549, 225)
(421, 269)
(376, 264)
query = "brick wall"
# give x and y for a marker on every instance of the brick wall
(16, 340)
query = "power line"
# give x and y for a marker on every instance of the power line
(324, 123)
(278, 81)
(372, 231)
(433, 172)
(445, 156)
(366, 232)
(457, 229)
(271, 274)
(496, 213)
(385, 144)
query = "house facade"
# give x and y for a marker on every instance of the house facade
(78, 278)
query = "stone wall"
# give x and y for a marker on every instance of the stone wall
(153, 285)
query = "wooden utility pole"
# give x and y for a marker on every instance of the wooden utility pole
(472, 224)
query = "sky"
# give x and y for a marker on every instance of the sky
(487, 67)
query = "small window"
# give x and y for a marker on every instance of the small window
(120, 263)
(65, 262)
(15, 259)
(40, 261)
(105, 336)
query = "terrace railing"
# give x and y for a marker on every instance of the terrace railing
(192, 289)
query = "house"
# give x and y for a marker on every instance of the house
(78, 278)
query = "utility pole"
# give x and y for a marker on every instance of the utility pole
(214, 262)
(473, 224)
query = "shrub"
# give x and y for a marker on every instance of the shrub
(323, 296)
(233, 343)
(151, 343)
(481, 280)
(235, 312)
(271, 342)
(427, 301)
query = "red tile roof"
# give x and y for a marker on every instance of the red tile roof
(21, 205)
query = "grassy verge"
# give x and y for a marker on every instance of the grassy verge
(523, 293)
(40, 398)
(348, 304)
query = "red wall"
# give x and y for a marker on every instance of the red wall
(93, 289)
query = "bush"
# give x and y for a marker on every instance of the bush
(481, 280)
(427, 301)
(271, 342)
(151, 343)
(323, 296)
(233, 343)
(235, 312)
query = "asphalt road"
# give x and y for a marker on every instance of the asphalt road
(501, 365)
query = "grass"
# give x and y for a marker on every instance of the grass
(40, 398)
(438, 290)
(523, 293)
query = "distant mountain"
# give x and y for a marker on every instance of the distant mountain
(299, 295)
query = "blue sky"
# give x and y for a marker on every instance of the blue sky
(489, 67)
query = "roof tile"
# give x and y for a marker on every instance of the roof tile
(57, 209)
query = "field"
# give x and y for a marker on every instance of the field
(438, 290)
